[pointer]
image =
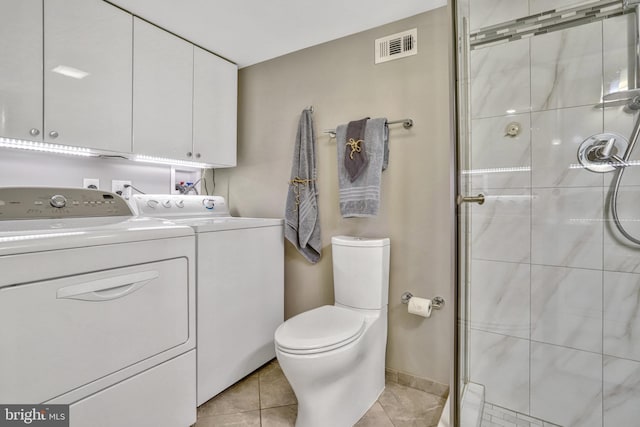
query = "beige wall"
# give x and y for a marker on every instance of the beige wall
(341, 82)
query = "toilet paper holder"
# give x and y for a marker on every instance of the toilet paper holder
(436, 302)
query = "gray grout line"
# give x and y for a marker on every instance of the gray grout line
(533, 111)
(557, 266)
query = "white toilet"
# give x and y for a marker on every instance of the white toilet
(334, 356)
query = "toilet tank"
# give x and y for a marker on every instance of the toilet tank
(361, 271)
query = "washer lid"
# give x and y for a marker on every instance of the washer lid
(326, 327)
(36, 235)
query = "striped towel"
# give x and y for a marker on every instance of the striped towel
(361, 198)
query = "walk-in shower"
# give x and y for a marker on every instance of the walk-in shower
(548, 97)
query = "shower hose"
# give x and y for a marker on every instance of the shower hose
(618, 179)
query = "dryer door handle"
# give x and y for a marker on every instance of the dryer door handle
(107, 289)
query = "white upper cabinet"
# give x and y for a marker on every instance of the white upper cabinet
(21, 69)
(88, 74)
(112, 82)
(215, 87)
(162, 93)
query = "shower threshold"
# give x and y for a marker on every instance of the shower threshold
(496, 416)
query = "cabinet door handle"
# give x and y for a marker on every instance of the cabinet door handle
(34, 132)
(189, 154)
(53, 134)
(197, 155)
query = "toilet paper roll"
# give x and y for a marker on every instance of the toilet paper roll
(420, 306)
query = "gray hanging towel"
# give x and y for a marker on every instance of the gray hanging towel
(302, 222)
(361, 198)
(355, 154)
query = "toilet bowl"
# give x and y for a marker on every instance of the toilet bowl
(334, 355)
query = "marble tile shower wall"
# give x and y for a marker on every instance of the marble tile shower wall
(555, 290)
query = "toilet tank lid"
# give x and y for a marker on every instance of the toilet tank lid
(359, 241)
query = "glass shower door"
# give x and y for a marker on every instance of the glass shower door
(549, 319)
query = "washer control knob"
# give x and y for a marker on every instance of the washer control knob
(208, 203)
(58, 201)
(180, 203)
(166, 203)
(152, 203)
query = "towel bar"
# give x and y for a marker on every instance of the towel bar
(406, 123)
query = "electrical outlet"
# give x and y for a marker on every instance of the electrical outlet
(118, 187)
(92, 183)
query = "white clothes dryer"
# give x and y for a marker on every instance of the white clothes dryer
(239, 281)
(97, 309)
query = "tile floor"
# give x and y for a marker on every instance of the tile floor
(264, 398)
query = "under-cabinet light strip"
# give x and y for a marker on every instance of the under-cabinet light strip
(88, 152)
(44, 146)
(165, 161)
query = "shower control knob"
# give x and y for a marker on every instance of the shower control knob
(166, 203)
(180, 203)
(152, 203)
(58, 201)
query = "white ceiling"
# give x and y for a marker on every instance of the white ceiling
(251, 31)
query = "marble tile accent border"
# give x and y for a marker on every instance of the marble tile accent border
(423, 384)
(545, 22)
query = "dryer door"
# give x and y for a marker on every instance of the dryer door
(60, 334)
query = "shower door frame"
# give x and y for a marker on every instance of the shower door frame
(457, 261)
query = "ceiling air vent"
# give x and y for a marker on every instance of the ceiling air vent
(397, 46)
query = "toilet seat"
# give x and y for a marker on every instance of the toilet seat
(319, 330)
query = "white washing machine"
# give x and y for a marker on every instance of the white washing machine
(240, 285)
(97, 309)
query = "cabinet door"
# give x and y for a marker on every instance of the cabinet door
(162, 93)
(88, 74)
(215, 93)
(21, 69)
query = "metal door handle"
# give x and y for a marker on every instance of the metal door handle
(479, 199)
